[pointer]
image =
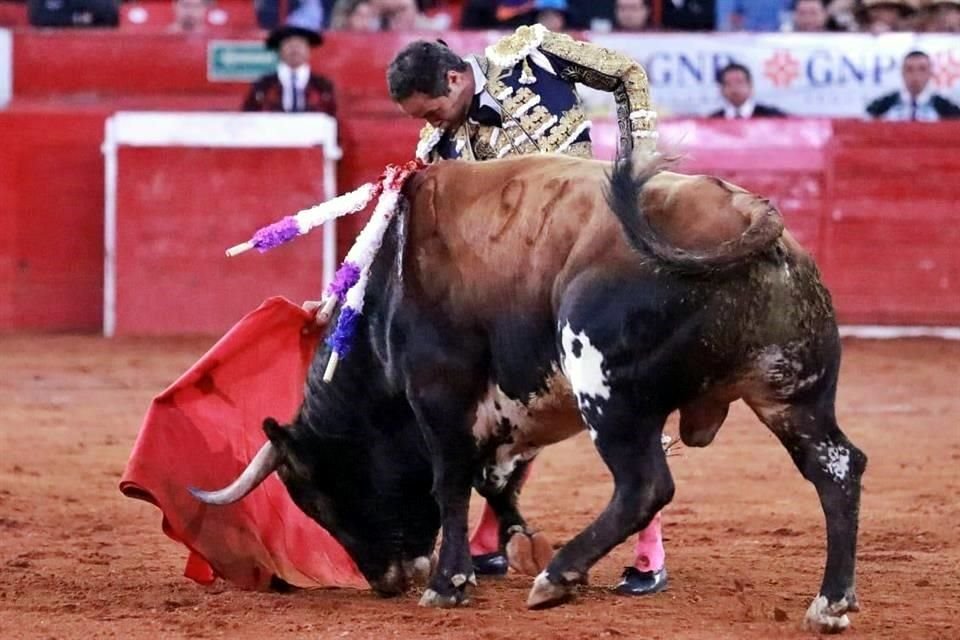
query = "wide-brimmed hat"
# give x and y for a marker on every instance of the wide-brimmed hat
(905, 7)
(278, 35)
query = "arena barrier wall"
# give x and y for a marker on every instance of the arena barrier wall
(873, 202)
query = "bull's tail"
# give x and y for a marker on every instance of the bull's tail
(765, 226)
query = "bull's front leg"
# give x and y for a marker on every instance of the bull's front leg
(442, 414)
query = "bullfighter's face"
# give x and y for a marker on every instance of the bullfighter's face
(445, 112)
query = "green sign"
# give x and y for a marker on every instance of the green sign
(238, 60)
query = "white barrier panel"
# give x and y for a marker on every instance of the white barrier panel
(834, 75)
(241, 131)
(6, 67)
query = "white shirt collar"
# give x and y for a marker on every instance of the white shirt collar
(745, 110)
(924, 98)
(480, 83)
(299, 76)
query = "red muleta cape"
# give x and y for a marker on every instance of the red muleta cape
(204, 429)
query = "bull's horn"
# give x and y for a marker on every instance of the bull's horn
(262, 465)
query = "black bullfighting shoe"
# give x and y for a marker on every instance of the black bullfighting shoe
(634, 582)
(490, 564)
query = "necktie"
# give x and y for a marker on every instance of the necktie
(913, 109)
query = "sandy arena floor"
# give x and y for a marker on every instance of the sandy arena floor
(745, 542)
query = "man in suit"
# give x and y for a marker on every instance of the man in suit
(293, 87)
(916, 101)
(736, 87)
(520, 98)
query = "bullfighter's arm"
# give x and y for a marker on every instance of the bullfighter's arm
(606, 70)
(589, 64)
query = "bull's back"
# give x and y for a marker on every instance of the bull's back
(500, 233)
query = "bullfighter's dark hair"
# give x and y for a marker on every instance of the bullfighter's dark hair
(734, 66)
(422, 67)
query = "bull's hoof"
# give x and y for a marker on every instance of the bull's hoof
(826, 617)
(529, 554)
(546, 594)
(431, 598)
(634, 582)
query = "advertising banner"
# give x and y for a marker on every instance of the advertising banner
(833, 75)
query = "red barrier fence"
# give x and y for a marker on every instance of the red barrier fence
(875, 203)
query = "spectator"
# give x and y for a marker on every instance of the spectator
(943, 16)
(736, 87)
(755, 15)
(916, 101)
(882, 16)
(631, 15)
(553, 14)
(404, 15)
(689, 15)
(809, 16)
(190, 16)
(355, 15)
(73, 13)
(308, 13)
(293, 88)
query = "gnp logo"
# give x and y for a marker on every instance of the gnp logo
(781, 68)
(946, 69)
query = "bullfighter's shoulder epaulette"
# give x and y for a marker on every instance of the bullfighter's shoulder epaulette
(510, 50)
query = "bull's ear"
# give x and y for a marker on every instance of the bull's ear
(276, 433)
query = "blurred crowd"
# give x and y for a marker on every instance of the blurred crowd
(872, 16)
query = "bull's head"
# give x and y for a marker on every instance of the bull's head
(370, 488)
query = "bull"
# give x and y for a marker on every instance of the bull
(521, 301)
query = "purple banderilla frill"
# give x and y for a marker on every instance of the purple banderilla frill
(275, 234)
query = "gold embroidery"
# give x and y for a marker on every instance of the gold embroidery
(560, 133)
(580, 150)
(511, 49)
(607, 70)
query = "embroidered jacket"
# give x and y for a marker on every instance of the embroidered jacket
(529, 103)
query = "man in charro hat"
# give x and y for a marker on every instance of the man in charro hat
(293, 87)
(942, 16)
(520, 98)
(881, 16)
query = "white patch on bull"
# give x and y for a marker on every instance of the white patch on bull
(593, 433)
(533, 422)
(835, 459)
(583, 365)
(499, 473)
(824, 617)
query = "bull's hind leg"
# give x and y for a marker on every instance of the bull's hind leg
(630, 446)
(825, 457)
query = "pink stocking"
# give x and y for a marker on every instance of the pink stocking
(649, 552)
